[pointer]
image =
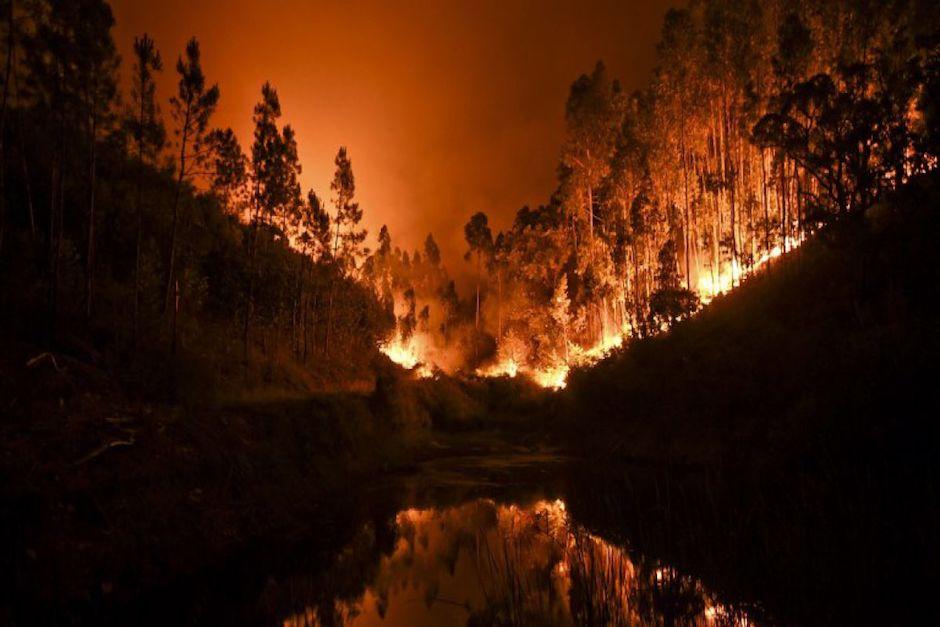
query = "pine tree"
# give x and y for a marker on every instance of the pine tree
(96, 64)
(191, 109)
(275, 187)
(348, 238)
(347, 245)
(229, 171)
(480, 247)
(148, 135)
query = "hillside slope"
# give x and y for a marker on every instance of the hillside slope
(790, 429)
(836, 340)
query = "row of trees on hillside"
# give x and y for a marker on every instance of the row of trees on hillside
(763, 121)
(143, 232)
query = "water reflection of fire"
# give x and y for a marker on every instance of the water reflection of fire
(487, 563)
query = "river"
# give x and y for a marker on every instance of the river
(477, 539)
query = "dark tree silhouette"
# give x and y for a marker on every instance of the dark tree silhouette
(191, 108)
(146, 129)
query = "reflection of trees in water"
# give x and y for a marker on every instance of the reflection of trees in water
(516, 562)
(510, 566)
(542, 569)
(332, 597)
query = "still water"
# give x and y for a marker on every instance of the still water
(487, 563)
(488, 541)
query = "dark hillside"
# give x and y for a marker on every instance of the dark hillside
(789, 430)
(837, 341)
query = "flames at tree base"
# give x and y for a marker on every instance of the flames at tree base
(420, 355)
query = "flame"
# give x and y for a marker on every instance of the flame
(555, 375)
(420, 354)
(507, 368)
(408, 355)
(552, 378)
(731, 274)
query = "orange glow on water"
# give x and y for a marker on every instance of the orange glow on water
(484, 562)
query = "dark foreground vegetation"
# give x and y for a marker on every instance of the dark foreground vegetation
(105, 499)
(796, 422)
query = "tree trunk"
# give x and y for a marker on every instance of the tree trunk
(92, 178)
(29, 198)
(636, 286)
(56, 224)
(729, 176)
(139, 215)
(687, 236)
(499, 303)
(52, 286)
(477, 320)
(181, 177)
(329, 319)
(176, 313)
(250, 299)
(3, 123)
(784, 219)
(590, 203)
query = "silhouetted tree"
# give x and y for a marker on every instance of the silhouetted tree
(670, 302)
(191, 108)
(275, 186)
(348, 237)
(229, 171)
(148, 135)
(480, 246)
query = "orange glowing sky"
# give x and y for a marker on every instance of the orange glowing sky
(447, 107)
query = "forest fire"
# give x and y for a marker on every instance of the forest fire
(732, 274)
(422, 354)
(415, 353)
(554, 378)
(660, 205)
(408, 355)
(211, 342)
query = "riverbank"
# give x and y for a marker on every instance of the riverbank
(105, 498)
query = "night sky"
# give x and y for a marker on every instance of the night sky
(447, 108)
